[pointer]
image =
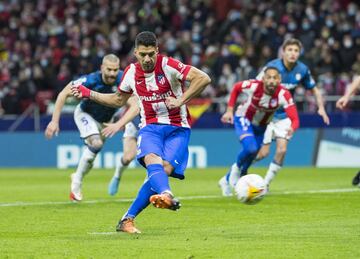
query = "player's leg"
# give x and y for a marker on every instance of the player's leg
(247, 155)
(93, 146)
(230, 178)
(126, 224)
(259, 136)
(175, 156)
(90, 132)
(268, 137)
(150, 150)
(356, 180)
(129, 153)
(245, 133)
(281, 129)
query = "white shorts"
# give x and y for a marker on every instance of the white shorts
(88, 126)
(277, 129)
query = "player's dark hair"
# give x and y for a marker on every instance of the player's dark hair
(146, 38)
(292, 41)
(271, 67)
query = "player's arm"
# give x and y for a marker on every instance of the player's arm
(353, 88)
(228, 116)
(291, 112)
(309, 83)
(112, 128)
(320, 104)
(115, 100)
(53, 126)
(198, 82)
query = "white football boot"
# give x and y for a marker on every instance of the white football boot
(75, 194)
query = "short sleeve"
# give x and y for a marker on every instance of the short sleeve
(285, 99)
(125, 83)
(178, 68)
(83, 80)
(308, 81)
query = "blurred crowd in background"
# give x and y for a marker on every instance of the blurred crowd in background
(46, 43)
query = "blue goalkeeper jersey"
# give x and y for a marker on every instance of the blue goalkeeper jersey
(299, 74)
(94, 82)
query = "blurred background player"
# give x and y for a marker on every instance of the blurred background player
(89, 118)
(293, 73)
(163, 140)
(341, 104)
(264, 97)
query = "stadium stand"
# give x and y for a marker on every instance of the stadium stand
(46, 43)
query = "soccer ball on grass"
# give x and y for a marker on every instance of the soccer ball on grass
(250, 189)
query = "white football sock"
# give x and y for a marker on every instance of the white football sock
(234, 175)
(271, 173)
(119, 169)
(85, 164)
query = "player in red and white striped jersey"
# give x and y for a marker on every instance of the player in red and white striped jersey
(152, 88)
(158, 83)
(264, 97)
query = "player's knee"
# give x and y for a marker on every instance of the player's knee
(168, 168)
(96, 145)
(127, 158)
(152, 159)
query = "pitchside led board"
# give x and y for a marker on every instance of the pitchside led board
(339, 147)
(208, 148)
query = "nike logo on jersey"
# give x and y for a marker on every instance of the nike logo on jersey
(138, 82)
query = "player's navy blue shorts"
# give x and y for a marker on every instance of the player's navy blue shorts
(167, 141)
(244, 126)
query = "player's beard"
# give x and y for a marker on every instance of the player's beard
(110, 79)
(270, 89)
(148, 67)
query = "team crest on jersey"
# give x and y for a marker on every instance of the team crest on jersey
(114, 88)
(298, 76)
(161, 79)
(273, 102)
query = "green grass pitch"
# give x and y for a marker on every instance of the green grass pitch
(309, 213)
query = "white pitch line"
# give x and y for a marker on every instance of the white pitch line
(103, 233)
(44, 203)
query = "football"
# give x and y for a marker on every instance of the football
(250, 189)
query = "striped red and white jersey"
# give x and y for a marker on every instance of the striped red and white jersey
(151, 88)
(259, 107)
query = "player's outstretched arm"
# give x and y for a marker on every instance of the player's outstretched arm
(53, 126)
(344, 100)
(112, 128)
(115, 100)
(198, 82)
(320, 104)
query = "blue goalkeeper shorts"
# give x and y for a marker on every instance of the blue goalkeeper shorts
(167, 141)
